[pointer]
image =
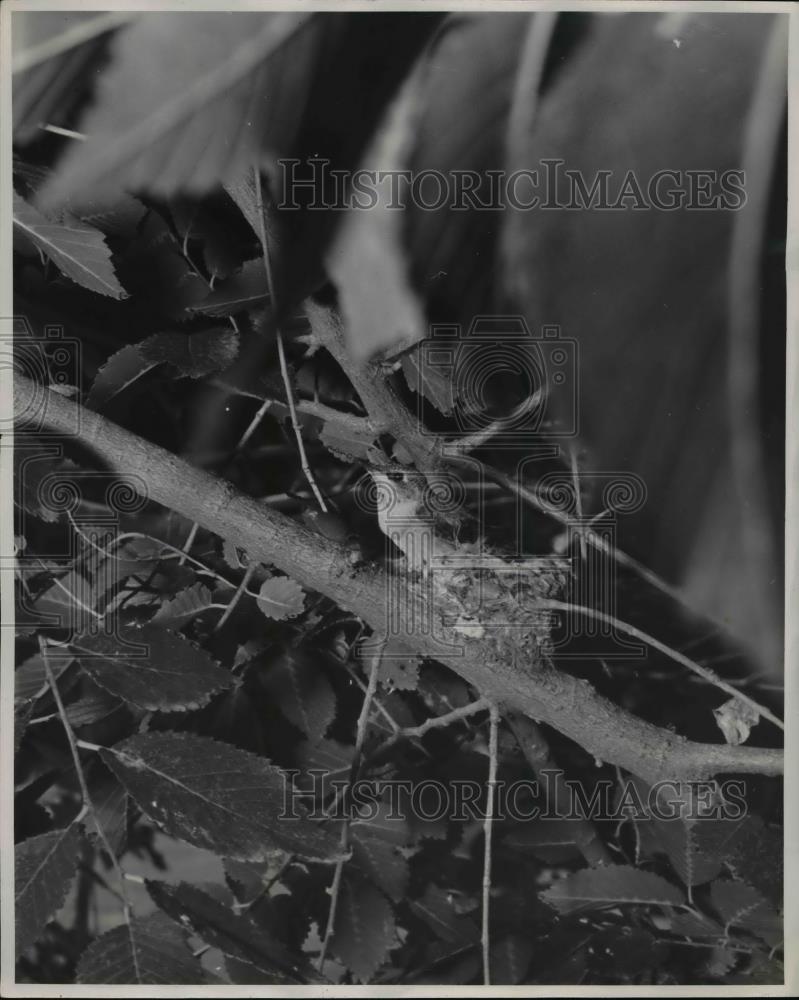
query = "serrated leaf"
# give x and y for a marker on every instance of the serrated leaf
(235, 935)
(740, 905)
(428, 380)
(79, 251)
(184, 606)
(244, 290)
(303, 694)
(400, 674)
(44, 867)
(151, 668)
(168, 124)
(610, 886)
(281, 597)
(214, 796)
(193, 355)
(147, 952)
(347, 443)
(23, 711)
(687, 843)
(364, 932)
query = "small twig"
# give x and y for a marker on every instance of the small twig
(188, 543)
(488, 828)
(335, 890)
(578, 502)
(360, 737)
(661, 647)
(395, 726)
(86, 799)
(242, 588)
(436, 722)
(281, 351)
(363, 718)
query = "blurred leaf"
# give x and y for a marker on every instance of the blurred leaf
(54, 53)
(214, 796)
(150, 951)
(43, 871)
(169, 674)
(463, 123)
(367, 260)
(178, 108)
(281, 597)
(671, 418)
(611, 886)
(365, 931)
(77, 250)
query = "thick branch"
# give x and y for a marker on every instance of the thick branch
(567, 703)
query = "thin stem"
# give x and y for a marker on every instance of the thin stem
(281, 351)
(335, 890)
(366, 707)
(188, 543)
(395, 726)
(360, 736)
(86, 799)
(488, 827)
(242, 588)
(661, 647)
(436, 722)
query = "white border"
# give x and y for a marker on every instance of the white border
(7, 986)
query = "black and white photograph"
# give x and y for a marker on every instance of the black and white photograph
(398, 523)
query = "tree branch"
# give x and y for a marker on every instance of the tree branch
(569, 704)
